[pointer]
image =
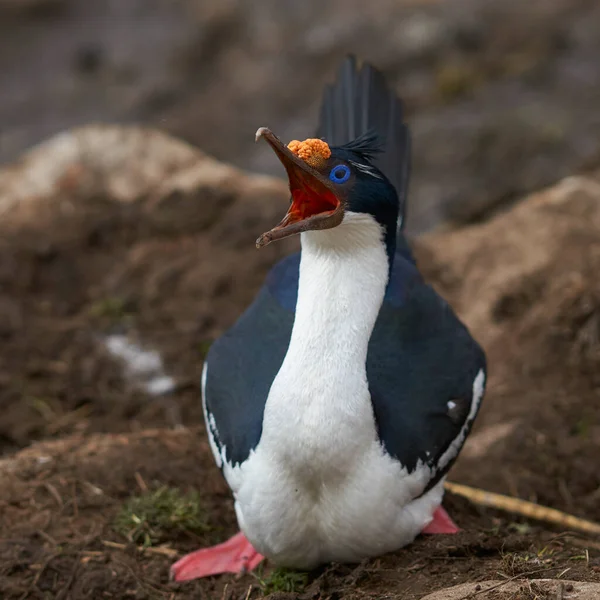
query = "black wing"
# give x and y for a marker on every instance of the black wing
(426, 374)
(361, 103)
(238, 377)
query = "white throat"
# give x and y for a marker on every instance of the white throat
(321, 393)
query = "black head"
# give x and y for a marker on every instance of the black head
(369, 190)
(327, 182)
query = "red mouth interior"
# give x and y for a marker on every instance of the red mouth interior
(309, 201)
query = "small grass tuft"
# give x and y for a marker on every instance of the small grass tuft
(514, 564)
(150, 518)
(581, 429)
(112, 308)
(204, 347)
(282, 580)
(520, 528)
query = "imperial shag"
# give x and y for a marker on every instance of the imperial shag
(339, 400)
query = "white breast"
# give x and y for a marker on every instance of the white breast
(302, 517)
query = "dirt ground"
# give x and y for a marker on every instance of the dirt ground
(80, 435)
(60, 542)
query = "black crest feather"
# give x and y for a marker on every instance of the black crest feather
(367, 146)
(360, 108)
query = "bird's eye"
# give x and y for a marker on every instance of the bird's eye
(339, 174)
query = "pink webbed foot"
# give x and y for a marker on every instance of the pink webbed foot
(236, 555)
(442, 523)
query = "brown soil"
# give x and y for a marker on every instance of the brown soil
(59, 543)
(526, 283)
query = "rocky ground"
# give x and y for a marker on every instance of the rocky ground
(124, 252)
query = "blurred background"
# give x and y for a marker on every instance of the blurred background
(502, 96)
(131, 194)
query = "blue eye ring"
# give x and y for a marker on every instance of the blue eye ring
(340, 174)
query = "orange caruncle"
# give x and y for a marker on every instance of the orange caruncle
(313, 151)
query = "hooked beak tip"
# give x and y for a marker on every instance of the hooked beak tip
(260, 132)
(264, 240)
(259, 242)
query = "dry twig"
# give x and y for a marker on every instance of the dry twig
(522, 508)
(160, 550)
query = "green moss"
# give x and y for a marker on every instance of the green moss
(282, 580)
(152, 517)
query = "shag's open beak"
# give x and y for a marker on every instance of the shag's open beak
(314, 203)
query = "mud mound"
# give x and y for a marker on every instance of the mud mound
(77, 486)
(120, 231)
(527, 284)
(502, 590)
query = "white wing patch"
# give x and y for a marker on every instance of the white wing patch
(233, 474)
(452, 451)
(366, 169)
(211, 426)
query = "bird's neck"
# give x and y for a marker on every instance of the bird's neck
(343, 276)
